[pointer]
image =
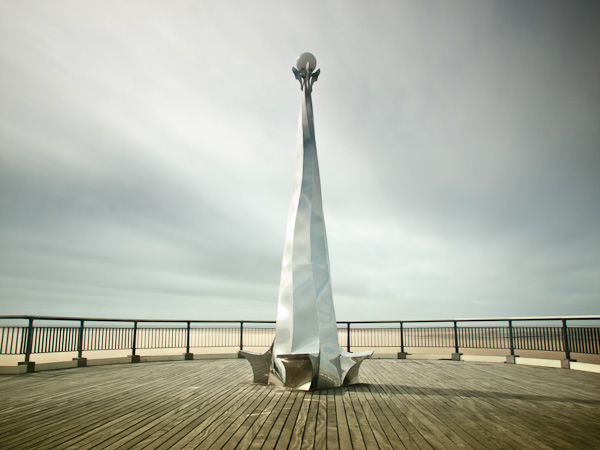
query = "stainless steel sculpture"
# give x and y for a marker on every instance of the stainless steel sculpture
(306, 353)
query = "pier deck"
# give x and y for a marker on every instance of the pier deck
(212, 404)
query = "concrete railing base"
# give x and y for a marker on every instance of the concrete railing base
(566, 363)
(30, 366)
(81, 362)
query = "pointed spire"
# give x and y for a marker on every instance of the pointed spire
(306, 353)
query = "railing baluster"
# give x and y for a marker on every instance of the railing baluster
(4, 341)
(38, 341)
(40, 336)
(57, 336)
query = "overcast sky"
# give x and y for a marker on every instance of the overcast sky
(147, 151)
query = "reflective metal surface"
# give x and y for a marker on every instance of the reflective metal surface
(306, 353)
(260, 363)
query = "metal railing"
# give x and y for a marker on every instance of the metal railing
(90, 334)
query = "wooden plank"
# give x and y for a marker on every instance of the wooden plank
(472, 416)
(332, 433)
(362, 416)
(273, 436)
(418, 420)
(502, 410)
(537, 418)
(292, 419)
(277, 398)
(207, 425)
(128, 427)
(261, 411)
(308, 439)
(429, 410)
(321, 420)
(490, 401)
(234, 420)
(131, 430)
(356, 437)
(394, 430)
(415, 404)
(300, 423)
(467, 425)
(343, 431)
(434, 407)
(379, 433)
(409, 434)
(44, 432)
(144, 421)
(268, 425)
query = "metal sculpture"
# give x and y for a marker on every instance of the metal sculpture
(306, 353)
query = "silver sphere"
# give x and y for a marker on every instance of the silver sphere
(306, 58)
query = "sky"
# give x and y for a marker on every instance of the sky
(147, 152)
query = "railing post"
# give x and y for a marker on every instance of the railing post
(511, 338)
(402, 354)
(80, 339)
(241, 335)
(456, 354)
(28, 349)
(187, 338)
(81, 361)
(348, 337)
(402, 337)
(566, 363)
(29, 345)
(134, 358)
(188, 356)
(511, 359)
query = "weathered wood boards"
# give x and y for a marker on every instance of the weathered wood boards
(212, 404)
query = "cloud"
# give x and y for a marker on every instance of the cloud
(147, 155)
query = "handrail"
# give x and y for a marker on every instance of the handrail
(104, 319)
(482, 319)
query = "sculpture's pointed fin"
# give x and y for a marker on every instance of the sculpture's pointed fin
(311, 78)
(260, 363)
(315, 75)
(350, 363)
(299, 77)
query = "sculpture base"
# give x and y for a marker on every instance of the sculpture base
(302, 369)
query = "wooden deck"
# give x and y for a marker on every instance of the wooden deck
(212, 404)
